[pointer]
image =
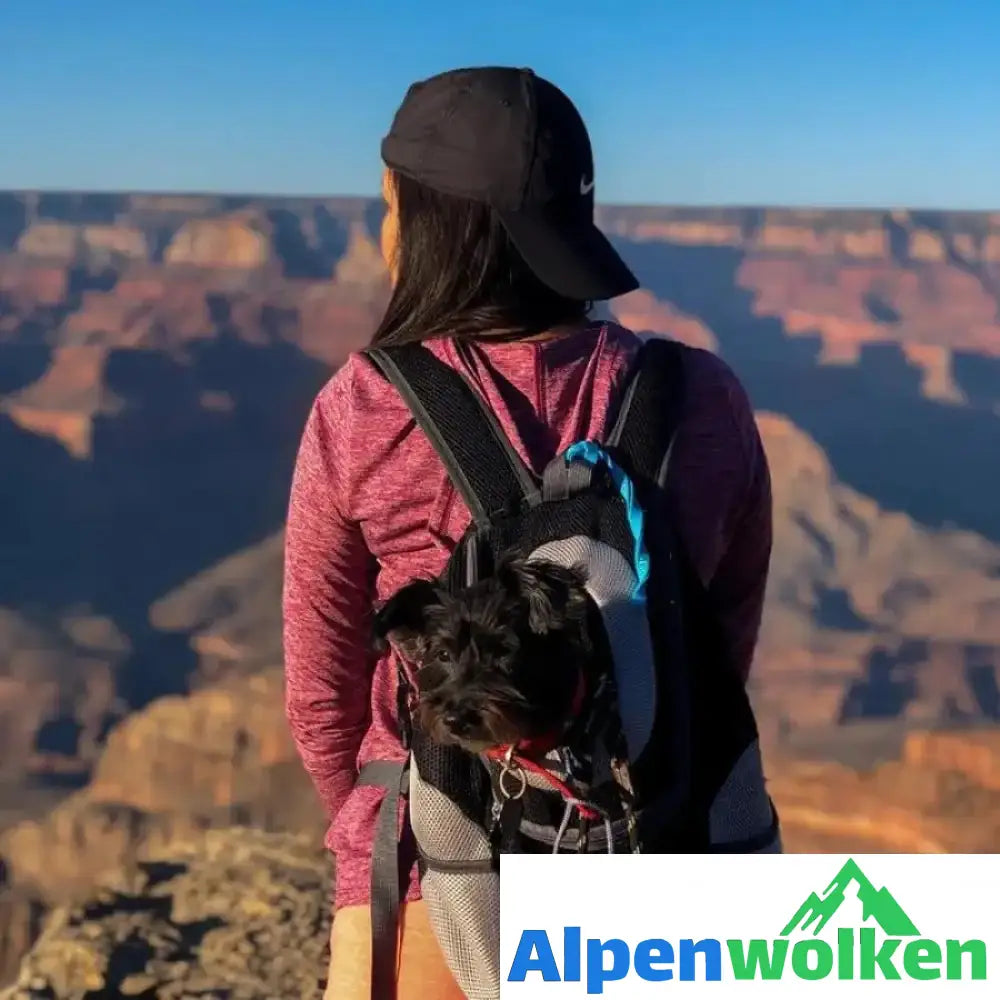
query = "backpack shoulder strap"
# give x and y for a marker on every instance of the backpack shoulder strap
(650, 412)
(477, 455)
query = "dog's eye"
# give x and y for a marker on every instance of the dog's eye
(441, 656)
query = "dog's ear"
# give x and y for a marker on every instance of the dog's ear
(404, 616)
(555, 596)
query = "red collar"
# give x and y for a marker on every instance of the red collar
(541, 745)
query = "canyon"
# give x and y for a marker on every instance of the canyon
(158, 356)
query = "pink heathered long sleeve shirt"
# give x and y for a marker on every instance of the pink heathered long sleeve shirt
(371, 508)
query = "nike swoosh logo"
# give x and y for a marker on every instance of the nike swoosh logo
(585, 187)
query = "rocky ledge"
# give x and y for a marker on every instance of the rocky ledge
(235, 915)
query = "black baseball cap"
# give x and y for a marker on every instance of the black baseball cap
(510, 139)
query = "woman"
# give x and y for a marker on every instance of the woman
(489, 237)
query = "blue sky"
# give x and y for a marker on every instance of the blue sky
(861, 102)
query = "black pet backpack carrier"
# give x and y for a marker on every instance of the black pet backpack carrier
(669, 761)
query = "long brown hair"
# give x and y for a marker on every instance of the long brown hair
(458, 274)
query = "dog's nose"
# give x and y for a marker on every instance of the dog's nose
(461, 721)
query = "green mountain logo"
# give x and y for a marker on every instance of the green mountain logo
(878, 904)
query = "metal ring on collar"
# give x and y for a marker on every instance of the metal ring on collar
(518, 774)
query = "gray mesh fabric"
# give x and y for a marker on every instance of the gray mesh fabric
(465, 915)
(610, 583)
(742, 809)
(464, 907)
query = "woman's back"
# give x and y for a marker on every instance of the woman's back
(491, 242)
(372, 508)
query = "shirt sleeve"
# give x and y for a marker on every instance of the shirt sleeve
(328, 595)
(738, 587)
(721, 490)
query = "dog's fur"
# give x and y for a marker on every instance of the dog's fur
(498, 662)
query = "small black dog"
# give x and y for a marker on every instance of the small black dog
(501, 662)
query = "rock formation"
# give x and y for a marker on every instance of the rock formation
(219, 757)
(237, 914)
(862, 604)
(214, 758)
(641, 310)
(938, 797)
(228, 242)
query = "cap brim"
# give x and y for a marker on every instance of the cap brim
(576, 261)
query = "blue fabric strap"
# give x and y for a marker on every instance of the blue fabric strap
(593, 454)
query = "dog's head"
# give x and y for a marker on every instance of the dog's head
(498, 662)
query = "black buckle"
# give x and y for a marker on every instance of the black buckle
(563, 479)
